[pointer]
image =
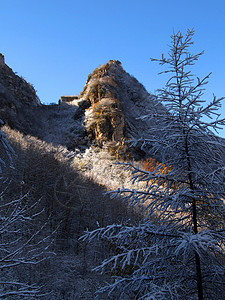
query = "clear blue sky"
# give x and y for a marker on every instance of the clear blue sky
(55, 44)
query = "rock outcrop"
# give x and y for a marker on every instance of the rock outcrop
(17, 98)
(117, 101)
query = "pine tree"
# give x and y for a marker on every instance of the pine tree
(178, 251)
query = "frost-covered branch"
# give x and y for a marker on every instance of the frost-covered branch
(178, 251)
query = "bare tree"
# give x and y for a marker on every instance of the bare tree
(178, 251)
(24, 239)
(6, 148)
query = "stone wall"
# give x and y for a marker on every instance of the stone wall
(66, 99)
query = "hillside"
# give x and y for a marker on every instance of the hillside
(107, 111)
(65, 156)
(57, 181)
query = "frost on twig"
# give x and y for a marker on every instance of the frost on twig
(24, 242)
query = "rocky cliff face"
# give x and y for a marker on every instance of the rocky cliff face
(116, 99)
(17, 98)
(116, 103)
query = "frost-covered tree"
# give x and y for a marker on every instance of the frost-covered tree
(177, 252)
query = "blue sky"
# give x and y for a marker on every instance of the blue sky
(56, 44)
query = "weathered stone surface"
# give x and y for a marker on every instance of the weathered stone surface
(118, 101)
(18, 98)
(105, 121)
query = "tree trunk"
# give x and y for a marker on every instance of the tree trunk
(197, 258)
(195, 225)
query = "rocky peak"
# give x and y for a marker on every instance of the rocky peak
(117, 100)
(17, 97)
(22, 91)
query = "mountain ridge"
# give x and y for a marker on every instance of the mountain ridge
(108, 110)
